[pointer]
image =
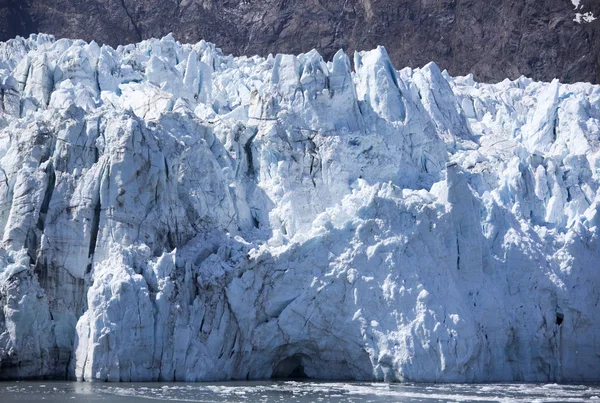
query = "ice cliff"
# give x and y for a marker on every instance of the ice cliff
(168, 212)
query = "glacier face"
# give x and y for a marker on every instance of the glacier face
(172, 213)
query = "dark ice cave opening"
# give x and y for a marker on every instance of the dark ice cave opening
(559, 318)
(290, 368)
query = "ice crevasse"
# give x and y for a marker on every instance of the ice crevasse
(171, 213)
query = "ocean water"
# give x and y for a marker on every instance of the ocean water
(292, 391)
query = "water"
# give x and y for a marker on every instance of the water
(290, 391)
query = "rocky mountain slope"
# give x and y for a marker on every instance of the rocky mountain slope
(171, 213)
(494, 40)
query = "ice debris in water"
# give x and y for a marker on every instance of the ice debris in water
(173, 213)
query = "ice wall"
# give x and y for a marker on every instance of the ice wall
(171, 213)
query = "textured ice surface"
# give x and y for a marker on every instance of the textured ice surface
(171, 213)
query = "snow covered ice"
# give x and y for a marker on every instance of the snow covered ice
(172, 213)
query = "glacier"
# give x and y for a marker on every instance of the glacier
(171, 213)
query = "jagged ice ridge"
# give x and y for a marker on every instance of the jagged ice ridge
(168, 212)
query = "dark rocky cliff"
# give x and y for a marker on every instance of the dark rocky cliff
(492, 39)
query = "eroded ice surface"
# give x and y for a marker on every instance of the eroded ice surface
(171, 213)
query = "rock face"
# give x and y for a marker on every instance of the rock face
(494, 40)
(171, 213)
